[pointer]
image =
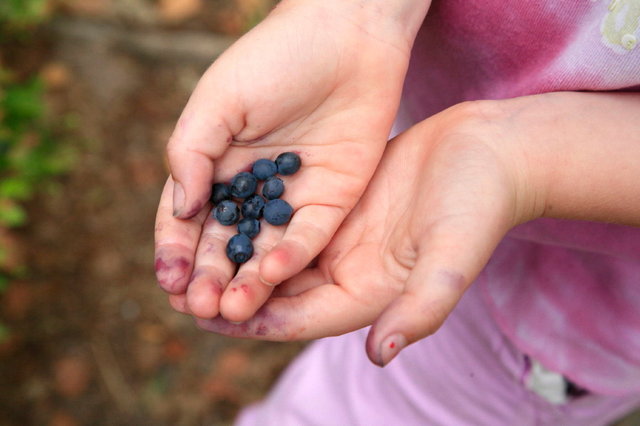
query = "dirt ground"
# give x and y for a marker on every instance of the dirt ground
(93, 340)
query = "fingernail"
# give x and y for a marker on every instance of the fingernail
(390, 347)
(178, 199)
(265, 282)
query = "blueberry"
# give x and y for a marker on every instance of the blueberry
(220, 192)
(273, 188)
(277, 212)
(239, 248)
(252, 207)
(288, 163)
(249, 227)
(263, 169)
(243, 185)
(227, 212)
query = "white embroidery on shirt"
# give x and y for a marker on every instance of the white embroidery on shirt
(619, 27)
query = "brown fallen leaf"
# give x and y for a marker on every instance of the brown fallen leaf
(174, 11)
(72, 375)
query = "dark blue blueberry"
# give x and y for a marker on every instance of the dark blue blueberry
(249, 227)
(239, 248)
(227, 212)
(273, 188)
(243, 185)
(277, 212)
(252, 207)
(220, 192)
(263, 169)
(288, 163)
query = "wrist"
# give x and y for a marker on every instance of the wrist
(502, 127)
(574, 155)
(395, 21)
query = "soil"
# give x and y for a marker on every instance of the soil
(93, 340)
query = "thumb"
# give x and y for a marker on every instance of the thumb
(203, 133)
(448, 261)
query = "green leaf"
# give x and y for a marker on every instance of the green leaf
(22, 104)
(12, 215)
(16, 188)
(22, 12)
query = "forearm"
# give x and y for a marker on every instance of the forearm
(580, 155)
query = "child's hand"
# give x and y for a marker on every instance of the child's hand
(444, 195)
(319, 78)
(440, 201)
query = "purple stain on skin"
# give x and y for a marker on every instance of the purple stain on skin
(455, 280)
(261, 330)
(171, 273)
(263, 325)
(195, 208)
(211, 248)
(216, 285)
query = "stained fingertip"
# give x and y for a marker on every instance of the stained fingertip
(238, 303)
(172, 271)
(391, 346)
(178, 199)
(192, 174)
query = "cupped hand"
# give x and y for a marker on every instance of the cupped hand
(309, 79)
(445, 193)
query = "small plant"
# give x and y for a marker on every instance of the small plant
(19, 13)
(29, 151)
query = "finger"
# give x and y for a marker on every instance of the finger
(212, 271)
(179, 303)
(245, 294)
(202, 134)
(175, 244)
(309, 231)
(449, 260)
(305, 280)
(325, 310)
(314, 195)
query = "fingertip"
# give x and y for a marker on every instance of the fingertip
(172, 272)
(274, 266)
(282, 262)
(383, 347)
(179, 303)
(236, 303)
(203, 297)
(371, 348)
(193, 176)
(178, 199)
(184, 209)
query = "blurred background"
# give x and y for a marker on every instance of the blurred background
(89, 93)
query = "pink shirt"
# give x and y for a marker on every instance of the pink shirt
(566, 292)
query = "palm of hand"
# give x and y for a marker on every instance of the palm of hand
(433, 213)
(336, 114)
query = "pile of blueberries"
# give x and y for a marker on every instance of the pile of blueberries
(243, 187)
